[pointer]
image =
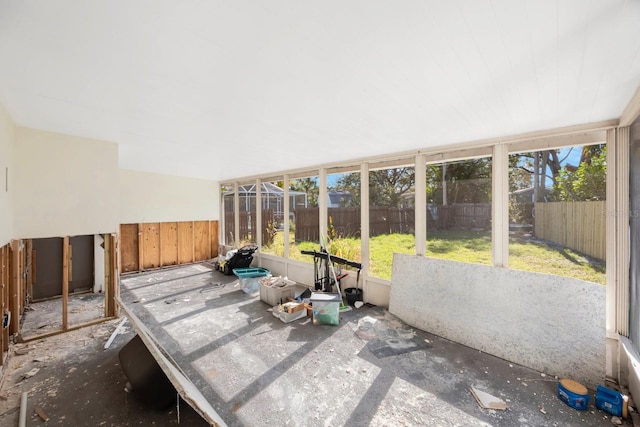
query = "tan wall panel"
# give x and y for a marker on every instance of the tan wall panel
(185, 242)
(151, 245)
(129, 247)
(169, 243)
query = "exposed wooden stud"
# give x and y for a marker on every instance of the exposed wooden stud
(193, 239)
(111, 275)
(107, 275)
(65, 283)
(141, 247)
(4, 333)
(30, 270)
(115, 268)
(22, 289)
(14, 287)
(70, 262)
(71, 328)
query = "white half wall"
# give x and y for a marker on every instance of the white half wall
(64, 185)
(552, 324)
(6, 176)
(151, 197)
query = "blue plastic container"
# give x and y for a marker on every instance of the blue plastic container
(610, 401)
(249, 278)
(573, 394)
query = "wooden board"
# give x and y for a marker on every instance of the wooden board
(201, 242)
(151, 245)
(65, 283)
(4, 297)
(129, 247)
(185, 242)
(169, 243)
(14, 287)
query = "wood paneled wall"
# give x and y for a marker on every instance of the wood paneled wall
(160, 244)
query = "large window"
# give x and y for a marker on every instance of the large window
(304, 226)
(557, 212)
(459, 210)
(391, 217)
(272, 205)
(343, 216)
(556, 207)
(228, 218)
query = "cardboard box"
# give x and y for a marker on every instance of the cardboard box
(290, 311)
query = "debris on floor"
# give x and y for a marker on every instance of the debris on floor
(488, 401)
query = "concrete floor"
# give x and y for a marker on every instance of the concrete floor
(371, 369)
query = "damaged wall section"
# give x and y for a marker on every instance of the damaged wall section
(549, 323)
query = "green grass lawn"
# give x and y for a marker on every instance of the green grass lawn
(458, 245)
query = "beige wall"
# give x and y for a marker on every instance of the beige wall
(6, 186)
(150, 197)
(64, 185)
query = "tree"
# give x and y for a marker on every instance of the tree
(308, 186)
(467, 181)
(386, 186)
(588, 180)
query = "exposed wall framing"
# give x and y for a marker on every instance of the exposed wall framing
(160, 244)
(4, 298)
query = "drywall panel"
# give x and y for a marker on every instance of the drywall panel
(149, 197)
(65, 185)
(6, 173)
(549, 323)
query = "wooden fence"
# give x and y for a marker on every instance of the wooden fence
(387, 220)
(465, 216)
(248, 223)
(580, 226)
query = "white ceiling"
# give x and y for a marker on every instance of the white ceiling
(223, 89)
